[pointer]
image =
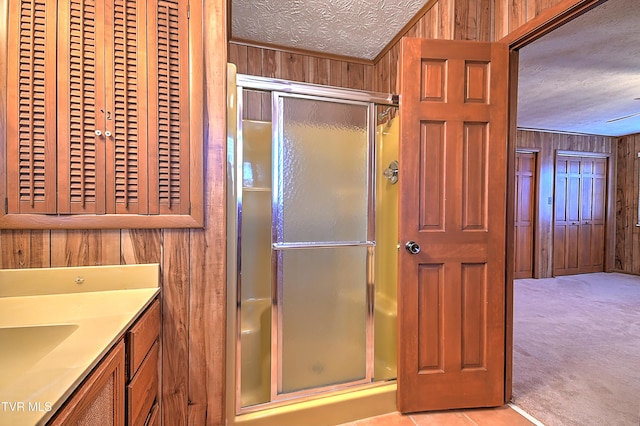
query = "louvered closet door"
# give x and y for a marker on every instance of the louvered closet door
(102, 100)
(31, 107)
(127, 178)
(81, 106)
(169, 154)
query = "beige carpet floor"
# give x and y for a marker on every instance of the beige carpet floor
(577, 349)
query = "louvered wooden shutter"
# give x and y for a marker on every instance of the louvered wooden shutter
(126, 186)
(169, 108)
(81, 101)
(31, 108)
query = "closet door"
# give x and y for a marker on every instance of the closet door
(81, 106)
(170, 154)
(525, 213)
(592, 209)
(31, 107)
(126, 100)
(567, 216)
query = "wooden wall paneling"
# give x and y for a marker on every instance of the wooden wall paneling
(394, 55)
(517, 13)
(335, 73)
(501, 19)
(294, 67)
(485, 16)
(472, 20)
(271, 63)
(25, 249)
(85, 247)
(446, 19)
(633, 211)
(253, 105)
(175, 327)
(622, 205)
(319, 70)
(140, 246)
(206, 297)
(430, 21)
(238, 55)
(381, 75)
(465, 20)
(627, 248)
(548, 143)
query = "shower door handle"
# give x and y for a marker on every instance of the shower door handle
(412, 247)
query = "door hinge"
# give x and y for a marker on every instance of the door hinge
(6, 206)
(189, 208)
(189, 11)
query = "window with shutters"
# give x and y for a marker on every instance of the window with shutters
(99, 116)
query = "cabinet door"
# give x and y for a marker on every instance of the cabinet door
(101, 97)
(126, 100)
(31, 107)
(169, 149)
(81, 106)
(100, 399)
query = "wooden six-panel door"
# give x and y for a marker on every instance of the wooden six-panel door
(452, 204)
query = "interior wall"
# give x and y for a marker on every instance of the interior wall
(627, 248)
(547, 143)
(300, 67)
(193, 262)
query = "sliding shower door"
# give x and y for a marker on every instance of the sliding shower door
(323, 239)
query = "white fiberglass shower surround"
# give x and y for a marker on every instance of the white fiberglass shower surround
(303, 254)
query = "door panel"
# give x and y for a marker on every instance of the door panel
(567, 216)
(452, 202)
(580, 201)
(524, 213)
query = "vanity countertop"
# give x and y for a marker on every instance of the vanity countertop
(56, 324)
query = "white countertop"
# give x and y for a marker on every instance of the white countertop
(63, 335)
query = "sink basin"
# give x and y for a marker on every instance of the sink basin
(23, 347)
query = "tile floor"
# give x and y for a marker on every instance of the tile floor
(501, 416)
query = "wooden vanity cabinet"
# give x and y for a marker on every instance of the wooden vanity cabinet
(142, 386)
(123, 388)
(100, 399)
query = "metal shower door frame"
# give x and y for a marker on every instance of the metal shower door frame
(324, 93)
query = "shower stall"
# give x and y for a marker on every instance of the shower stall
(312, 244)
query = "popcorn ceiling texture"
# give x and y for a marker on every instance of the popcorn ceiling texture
(354, 28)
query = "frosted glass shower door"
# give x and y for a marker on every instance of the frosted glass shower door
(323, 243)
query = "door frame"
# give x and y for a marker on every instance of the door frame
(547, 21)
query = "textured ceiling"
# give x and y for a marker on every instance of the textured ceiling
(353, 28)
(584, 74)
(574, 79)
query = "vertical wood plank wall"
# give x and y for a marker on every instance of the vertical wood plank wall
(548, 143)
(627, 250)
(300, 67)
(193, 262)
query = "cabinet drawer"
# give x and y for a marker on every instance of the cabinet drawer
(142, 336)
(142, 391)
